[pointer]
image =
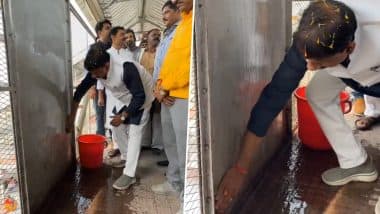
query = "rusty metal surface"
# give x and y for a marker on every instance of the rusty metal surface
(38, 49)
(239, 45)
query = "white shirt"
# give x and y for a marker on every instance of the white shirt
(122, 54)
(115, 84)
(365, 60)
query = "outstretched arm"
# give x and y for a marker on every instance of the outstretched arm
(81, 90)
(272, 100)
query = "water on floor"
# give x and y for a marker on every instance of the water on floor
(291, 182)
(90, 191)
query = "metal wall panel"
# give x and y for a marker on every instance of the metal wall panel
(38, 46)
(239, 45)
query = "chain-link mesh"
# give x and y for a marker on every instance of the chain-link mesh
(192, 195)
(9, 191)
(297, 9)
(3, 64)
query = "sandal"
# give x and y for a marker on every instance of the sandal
(114, 153)
(366, 123)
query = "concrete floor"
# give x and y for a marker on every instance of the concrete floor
(291, 183)
(90, 191)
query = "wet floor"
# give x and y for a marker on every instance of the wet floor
(90, 191)
(291, 183)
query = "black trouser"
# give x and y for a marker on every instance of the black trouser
(373, 90)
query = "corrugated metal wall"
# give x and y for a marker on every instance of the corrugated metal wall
(38, 47)
(239, 44)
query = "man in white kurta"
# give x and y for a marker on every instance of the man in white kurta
(116, 52)
(326, 84)
(339, 40)
(132, 85)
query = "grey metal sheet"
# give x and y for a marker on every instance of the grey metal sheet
(239, 45)
(39, 65)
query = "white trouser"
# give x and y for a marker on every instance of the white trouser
(111, 103)
(323, 94)
(128, 138)
(174, 130)
(118, 135)
(372, 106)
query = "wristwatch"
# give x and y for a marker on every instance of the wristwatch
(122, 118)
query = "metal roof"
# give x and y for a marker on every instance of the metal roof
(140, 15)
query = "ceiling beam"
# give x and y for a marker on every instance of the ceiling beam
(95, 9)
(141, 8)
(153, 23)
(131, 22)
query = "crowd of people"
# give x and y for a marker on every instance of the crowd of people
(141, 93)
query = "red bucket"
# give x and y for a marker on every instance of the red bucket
(309, 131)
(91, 150)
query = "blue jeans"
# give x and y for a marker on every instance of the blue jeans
(100, 117)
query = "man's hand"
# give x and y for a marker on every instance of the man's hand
(92, 92)
(159, 95)
(234, 178)
(229, 188)
(168, 101)
(116, 121)
(69, 126)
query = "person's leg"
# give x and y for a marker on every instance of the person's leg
(120, 138)
(146, 141)
(100, 114)
(157, 128)
(371, 113)
(115, 149)
(372, 106)
(178, 114)
(323, 95)
(134, 133)
(170, 147)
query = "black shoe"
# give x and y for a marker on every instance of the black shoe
(163, 163)
(114, 153)
(143, 148)
(156, 151)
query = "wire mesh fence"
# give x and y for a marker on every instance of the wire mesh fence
(192, 194)
(9, 188)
